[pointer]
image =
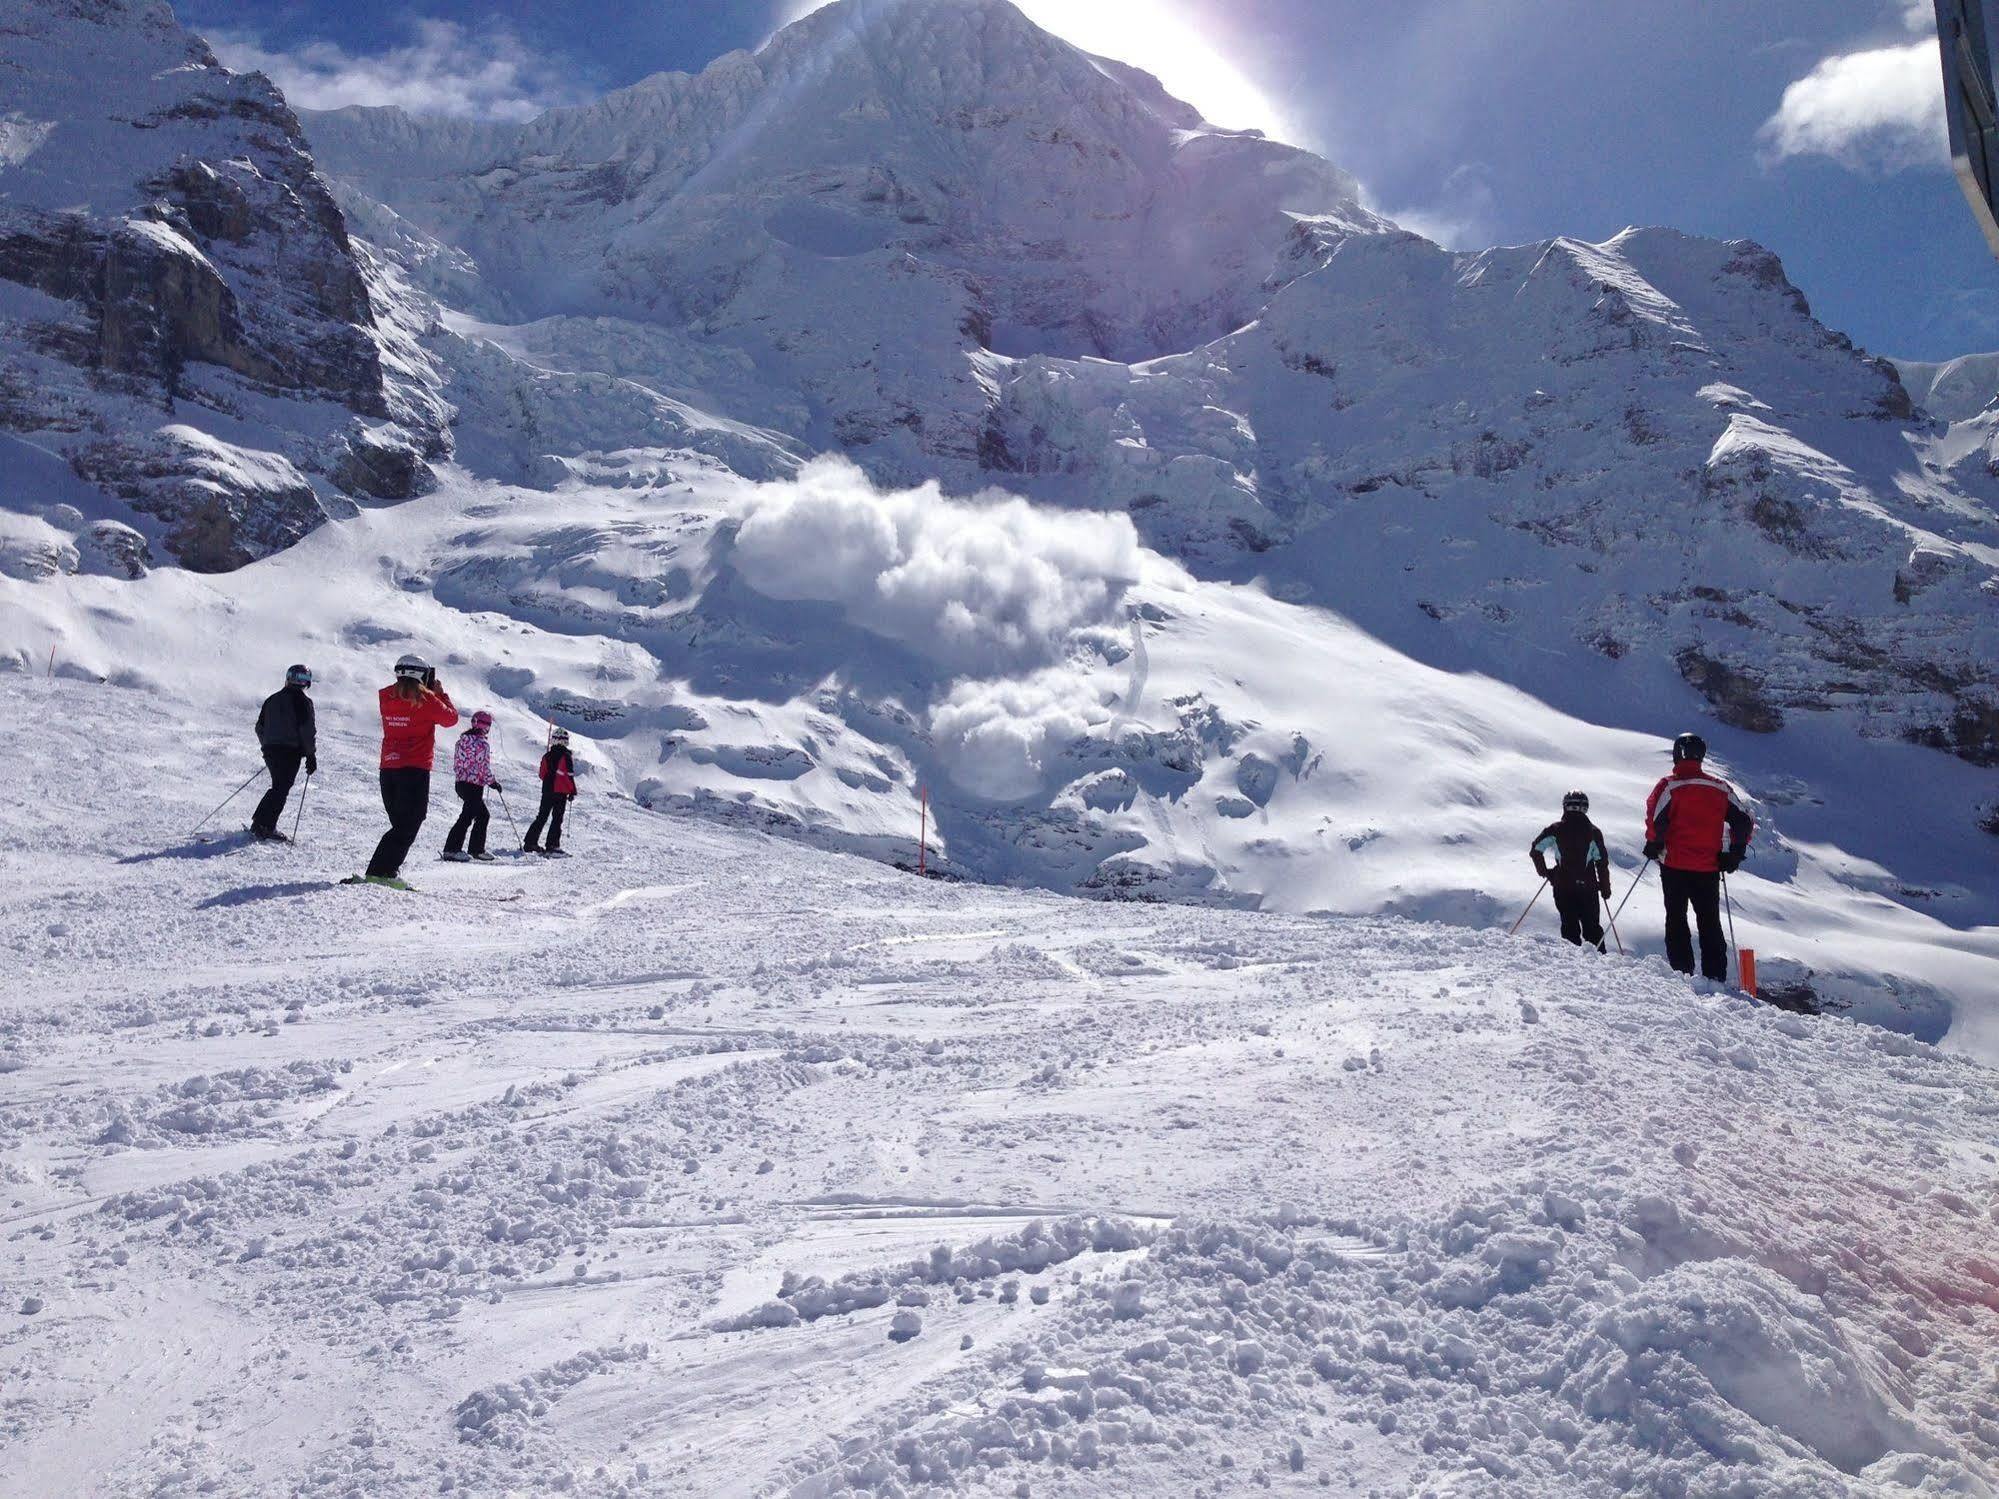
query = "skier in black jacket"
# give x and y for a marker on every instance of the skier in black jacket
(289, 737)
(1580, 877)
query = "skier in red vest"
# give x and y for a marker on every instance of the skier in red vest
(558, 790)
(1688, 817)
(414, 708)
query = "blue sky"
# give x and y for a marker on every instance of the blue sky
(1811, 125)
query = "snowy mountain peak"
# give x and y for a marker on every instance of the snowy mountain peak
(1060, 204)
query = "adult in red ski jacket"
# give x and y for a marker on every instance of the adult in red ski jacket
(1698, 830)
(558, 790)
(414, 708)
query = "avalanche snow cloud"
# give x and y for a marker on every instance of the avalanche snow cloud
(998, 739)
(993, 589)
(980, 585)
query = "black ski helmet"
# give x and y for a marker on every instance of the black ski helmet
(1576, 801)
(1690, 747)
(298, 676)
(412, 667)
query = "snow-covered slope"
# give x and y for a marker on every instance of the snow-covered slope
(1341, 557)
(1954, 390)
(182, 316)
(706, 1163)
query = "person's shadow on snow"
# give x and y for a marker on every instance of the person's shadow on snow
(250, 893)
(200, 848)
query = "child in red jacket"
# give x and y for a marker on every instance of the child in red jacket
(558, 790)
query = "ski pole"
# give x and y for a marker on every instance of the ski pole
(510, 816)
(1629, 893)
(1530, 906)
(303, 792)
(1729, 906)
(224, 802)
(1613, 929)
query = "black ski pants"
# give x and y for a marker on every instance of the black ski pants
(406, 798)
(283, 765)
(472, 818)
(1701, 889)
(1581, 910)
(553, 804)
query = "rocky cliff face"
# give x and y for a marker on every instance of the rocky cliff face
(185, 317)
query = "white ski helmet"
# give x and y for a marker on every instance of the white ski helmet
(559, 736)
(412, 666)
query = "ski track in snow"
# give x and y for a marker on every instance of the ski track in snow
(635, 1185)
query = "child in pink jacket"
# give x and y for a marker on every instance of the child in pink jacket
(472, 769)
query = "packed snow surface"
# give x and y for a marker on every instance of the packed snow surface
(711, 1163)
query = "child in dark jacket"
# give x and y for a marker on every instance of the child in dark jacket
(558, 790)
(1580, 876)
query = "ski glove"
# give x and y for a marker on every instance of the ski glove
(1730, 861)
(494, 784)
(312, 765)
(1654, 849)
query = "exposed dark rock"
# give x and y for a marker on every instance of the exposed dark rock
(1895, 404)
(1971, 733)
(1247, 536)
(1736, 695)
(384, 464)
(1788, 524)
(1925, 568)
(219, 507)
(115, 550)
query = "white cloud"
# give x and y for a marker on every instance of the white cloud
(985, 585)
(1463, 215)
(998, 739)
(447, 69)
(1881, 109)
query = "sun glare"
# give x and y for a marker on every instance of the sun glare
(1165, 38)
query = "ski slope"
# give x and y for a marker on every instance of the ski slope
(1102, 719)
(632, 1175)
